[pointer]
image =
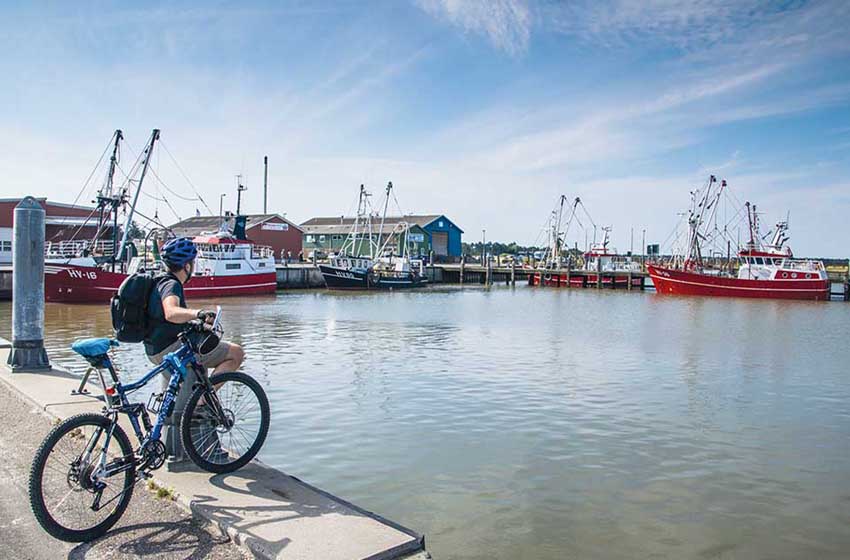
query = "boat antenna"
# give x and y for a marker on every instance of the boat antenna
(239, 189)
(129, 220)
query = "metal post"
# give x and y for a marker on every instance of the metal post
(598, 272)
(265, 184)
(462, 263)
(28, 353)
(513, 273)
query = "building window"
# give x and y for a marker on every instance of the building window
(321, 239)
(261, 265)
(337, 238)
(309, 239)
(440, 223)
(6, 246)
(232, 266)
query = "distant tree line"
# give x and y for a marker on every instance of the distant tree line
(498, 248)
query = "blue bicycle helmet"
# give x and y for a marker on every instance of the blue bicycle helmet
(179, 251)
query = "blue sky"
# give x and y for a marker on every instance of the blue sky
(483, 110)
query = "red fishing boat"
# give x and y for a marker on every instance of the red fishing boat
(226, 266)
(90, 271)
(765, 270)
(557, 268)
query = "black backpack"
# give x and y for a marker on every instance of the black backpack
(130, 307)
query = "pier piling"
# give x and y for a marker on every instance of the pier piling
(28, 353)
(598, 272)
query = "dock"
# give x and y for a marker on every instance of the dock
(463, 273)
(271, 514)
(298, 276)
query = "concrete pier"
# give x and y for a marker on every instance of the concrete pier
(298, 276)
(270, 513)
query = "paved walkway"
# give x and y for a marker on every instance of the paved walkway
(152, 528)
(270, 514)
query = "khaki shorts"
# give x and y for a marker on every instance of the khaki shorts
(209, 360)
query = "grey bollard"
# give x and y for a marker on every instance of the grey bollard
(28, 353)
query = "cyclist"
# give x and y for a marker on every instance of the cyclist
(167, 311)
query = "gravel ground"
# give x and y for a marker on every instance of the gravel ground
(151, 527)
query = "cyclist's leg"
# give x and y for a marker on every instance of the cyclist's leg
(226, 356)
(171, 434)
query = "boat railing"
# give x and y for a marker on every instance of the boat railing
(234, 252)
(78, 248)
(262, 252)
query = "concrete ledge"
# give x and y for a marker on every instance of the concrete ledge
(271, 514)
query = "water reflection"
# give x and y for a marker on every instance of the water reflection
(540, 423)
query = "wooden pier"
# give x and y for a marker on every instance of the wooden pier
(464, 273)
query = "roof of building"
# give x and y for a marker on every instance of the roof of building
(341, 224)
(202, 224)
(44, 200)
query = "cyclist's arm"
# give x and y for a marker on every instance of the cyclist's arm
(176, 314)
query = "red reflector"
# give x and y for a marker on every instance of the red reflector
(111, 391)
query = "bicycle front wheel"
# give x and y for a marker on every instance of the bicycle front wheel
(71, 497)
(226, 441)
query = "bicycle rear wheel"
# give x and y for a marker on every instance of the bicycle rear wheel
(63, 484)
(222, 445)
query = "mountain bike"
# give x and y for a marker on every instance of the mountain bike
(83, 474)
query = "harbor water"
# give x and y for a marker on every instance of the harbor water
(510, 423)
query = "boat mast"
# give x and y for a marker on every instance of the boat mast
(695, 221)
(105, 197)
(129, 220)
(380, 243)
(352, 235)
(557, 233)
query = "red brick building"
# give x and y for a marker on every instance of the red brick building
(271, 230)
(61, 223)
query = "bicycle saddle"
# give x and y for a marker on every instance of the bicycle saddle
(93, 347)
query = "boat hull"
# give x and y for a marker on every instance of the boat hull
(345, 279)
(77, 284)
(680, 282)
(561, 280)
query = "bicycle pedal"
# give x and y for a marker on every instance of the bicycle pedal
(145, 474)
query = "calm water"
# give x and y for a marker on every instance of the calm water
(537, 423)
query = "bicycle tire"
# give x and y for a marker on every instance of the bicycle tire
(36, 491)
(189, 445)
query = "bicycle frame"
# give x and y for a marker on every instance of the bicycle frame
(176, 364)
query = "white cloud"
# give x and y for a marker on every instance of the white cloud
(506, 23)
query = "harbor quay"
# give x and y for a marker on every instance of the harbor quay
(300, 276)
(268, 513)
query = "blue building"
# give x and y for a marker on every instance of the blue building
(445, 235)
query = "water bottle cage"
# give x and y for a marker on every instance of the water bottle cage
(155, 403)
